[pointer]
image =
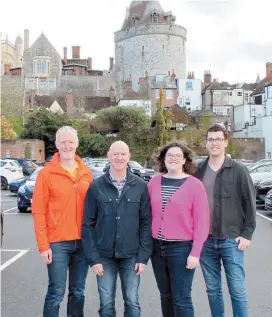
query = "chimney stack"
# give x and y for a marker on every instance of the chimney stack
(90, 63)
(207, 77)
(268, 71)
(26, 39)
(75, 51)
(111, 64)
(193, 75)
(65, 54)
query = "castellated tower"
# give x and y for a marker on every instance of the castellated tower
(149, 43)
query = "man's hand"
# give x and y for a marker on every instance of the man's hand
(192, 262)
(243, 243)
(139, 268)
(47, 256)
(98, 269)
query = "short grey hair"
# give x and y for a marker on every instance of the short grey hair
(66, 129)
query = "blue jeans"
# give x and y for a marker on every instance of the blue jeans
(225, 250)
(129, 283)
(169, 260)
(66, 255)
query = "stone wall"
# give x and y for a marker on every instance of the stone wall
(250, 149)
(16, 149)
(149, 50)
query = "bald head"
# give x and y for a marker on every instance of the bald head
(118, 155)
(119, 145)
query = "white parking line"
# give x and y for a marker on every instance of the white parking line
(9, 209)
(8, 201)
(269, 219)
(13, 259)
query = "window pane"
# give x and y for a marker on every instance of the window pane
(169, 94)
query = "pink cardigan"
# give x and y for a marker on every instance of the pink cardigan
(186, 215)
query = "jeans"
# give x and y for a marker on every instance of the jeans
(225, 250)
(66, 255)
(174, 280)
(129, 283)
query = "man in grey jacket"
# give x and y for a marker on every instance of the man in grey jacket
(232, 201)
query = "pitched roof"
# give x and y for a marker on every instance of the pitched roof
(167, 83)
(142, 10)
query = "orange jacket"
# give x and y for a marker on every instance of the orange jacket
(58, 202)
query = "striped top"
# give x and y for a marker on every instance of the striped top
(168, 188)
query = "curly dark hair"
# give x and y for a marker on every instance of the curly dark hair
(189, 167)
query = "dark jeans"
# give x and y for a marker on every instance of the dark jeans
(129, 284)
(225, 250)
(169, 260)
(67, 254)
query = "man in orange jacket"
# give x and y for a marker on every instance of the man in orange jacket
(57, 208)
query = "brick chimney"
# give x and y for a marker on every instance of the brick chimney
(90, 63)
(193, 75)
(128, 84)
(111, 64)
(207, 77)
(112, 93)
(173, 76)
(268, 71)
(65, 54)
(75, 51)
(26, 39)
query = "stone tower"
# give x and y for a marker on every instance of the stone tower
(19, 44)
(149, 43)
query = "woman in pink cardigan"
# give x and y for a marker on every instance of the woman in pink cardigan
(180, 226)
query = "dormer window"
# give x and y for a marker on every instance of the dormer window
(155, 17)
(135, 19)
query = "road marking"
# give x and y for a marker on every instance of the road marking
(13, 259)
(9, 209)
(6, 201)
(264, 217)
(14, 250)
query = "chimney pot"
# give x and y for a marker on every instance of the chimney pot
(75, 51)
(26, 39)
(90, 63)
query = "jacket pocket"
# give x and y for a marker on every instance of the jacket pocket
(133, 206)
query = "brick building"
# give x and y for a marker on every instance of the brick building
(16, 148)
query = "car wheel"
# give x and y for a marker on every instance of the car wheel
(22, 209)
(4, 183)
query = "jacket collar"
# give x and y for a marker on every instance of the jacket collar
(201, 169)
(55, 165)
(130, 177)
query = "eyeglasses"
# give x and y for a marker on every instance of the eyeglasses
(217, 140)
(177, 156)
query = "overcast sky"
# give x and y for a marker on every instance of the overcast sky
(232, 38)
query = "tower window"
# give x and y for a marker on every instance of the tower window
(163, 46)
(155, 17)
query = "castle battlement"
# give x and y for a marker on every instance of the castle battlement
(149, 29)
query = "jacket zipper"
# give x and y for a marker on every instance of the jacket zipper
(75, 190)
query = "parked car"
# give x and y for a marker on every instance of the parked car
(25, 192)
(257, 177)
(9, 171)
(137, 169)
(259, 168)
(268, 200)
(2, 225)
(27, 165)
(16, 184)
(262, 188)
(264, 161)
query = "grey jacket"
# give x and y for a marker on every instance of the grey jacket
(234, 211)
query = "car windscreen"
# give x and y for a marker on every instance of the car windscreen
(34, 175)
(134, 164)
